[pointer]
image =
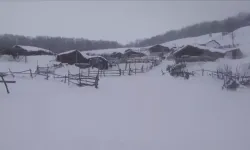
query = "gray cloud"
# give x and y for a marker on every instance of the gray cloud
(123, 21)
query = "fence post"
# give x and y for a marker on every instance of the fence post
(126, 65)
(80, 83)
(68, 77)
(88, 71)
(120, 72)
(98, 74)
(135, 70)
(47, 75)
(65, 77)
(11, 73)
(31, 74)
(202, 72)
(129, 71)
(96, 81)
(37, 69)
(6, 86)
(142, 69)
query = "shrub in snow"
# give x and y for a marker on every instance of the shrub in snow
(231, 84)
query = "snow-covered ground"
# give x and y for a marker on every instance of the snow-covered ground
(146, 111)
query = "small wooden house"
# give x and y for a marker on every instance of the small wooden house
(129, 53)
(234, 54)
(71, 57)
(158, 50)
(21, 50)
(198, 53)
(99, 62)
(117, 55)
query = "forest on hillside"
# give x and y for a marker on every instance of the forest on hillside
(56, 44)
(60, 44)
(227, 25)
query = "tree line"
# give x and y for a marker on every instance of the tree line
(227, 25)
(56, 44)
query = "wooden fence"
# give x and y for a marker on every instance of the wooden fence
(25, 72)
(221, 75)
(2, 75)
(226, 76)
(117, 72)
(77, 79)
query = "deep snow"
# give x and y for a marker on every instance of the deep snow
(146, 111)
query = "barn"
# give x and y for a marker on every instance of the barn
(21, 50)
(157, 50)
(234, 54)
(99, 62)
(72, 57)
(117, 55)
(198, 53)
(129, 53)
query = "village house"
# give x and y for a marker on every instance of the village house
(234, 53)
(129, 53)
(21, 50)
(71, 57)
(99, 62)
(193, 53)
(158, 50)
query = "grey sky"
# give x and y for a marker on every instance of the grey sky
(123, 21)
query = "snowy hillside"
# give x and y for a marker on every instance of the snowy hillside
(191, 40)
(242, 37)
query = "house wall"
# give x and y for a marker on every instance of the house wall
(195, 59)
(155, 53)
(234, 54)
(72, 58)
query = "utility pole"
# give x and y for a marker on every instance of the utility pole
(233, 37)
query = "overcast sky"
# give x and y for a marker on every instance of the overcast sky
(123, 21)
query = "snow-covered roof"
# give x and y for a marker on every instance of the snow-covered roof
(33, 48)
(67, 52)
(211, 49)
(88, 56)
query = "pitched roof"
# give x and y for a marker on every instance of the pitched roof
(205, 48)
(213, 41)
(67, 52)
(32, 48)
